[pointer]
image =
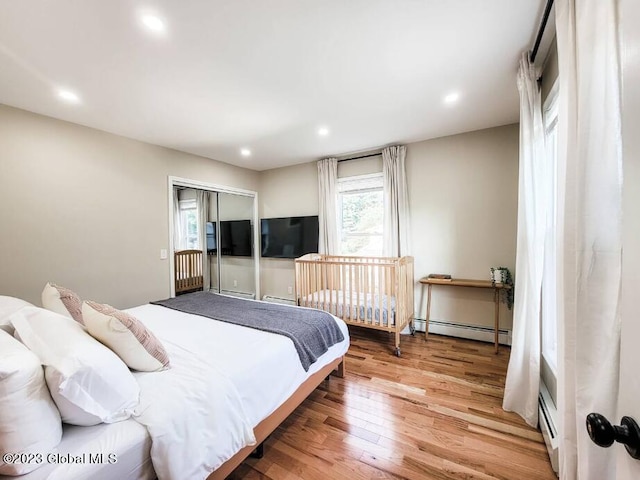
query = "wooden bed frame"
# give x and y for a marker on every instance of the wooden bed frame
(269, 424)
(319, 278)
(188, 271)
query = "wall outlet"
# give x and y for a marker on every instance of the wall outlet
(235, 283)
(163, 254)
(290, 290)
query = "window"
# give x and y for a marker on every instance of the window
(189, 224)
(548, 312)
(360, 215)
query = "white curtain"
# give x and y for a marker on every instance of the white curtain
(202, 209)
(534, 195)
(590, 218)
(328, 212)
(396, 203)
(178, 243)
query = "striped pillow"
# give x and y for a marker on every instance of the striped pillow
(63, 301)
(126, 336)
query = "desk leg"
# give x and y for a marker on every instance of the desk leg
(426, 324)
(496, 296)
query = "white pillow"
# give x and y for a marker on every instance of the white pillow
(91, 376)
(134, 343)
(63, 301)
(71, 413)
(29, 420)
(8, 306)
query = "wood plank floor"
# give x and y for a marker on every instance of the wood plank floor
(434, 413)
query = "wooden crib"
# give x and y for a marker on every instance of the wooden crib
(188, 271)
(371, 292)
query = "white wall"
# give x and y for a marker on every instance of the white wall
(463, 200)
(285, 192)
(89, 210)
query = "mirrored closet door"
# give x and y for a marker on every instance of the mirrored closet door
(234, 264)
(214, 241)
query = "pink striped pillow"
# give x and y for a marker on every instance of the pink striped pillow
(63, 301)
(136, 345)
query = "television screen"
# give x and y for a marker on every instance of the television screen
(289, 237)
(235, 238)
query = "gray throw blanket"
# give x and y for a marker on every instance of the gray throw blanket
(312, 331)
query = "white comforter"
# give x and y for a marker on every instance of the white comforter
(224, 380)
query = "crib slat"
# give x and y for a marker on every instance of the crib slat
(353, 315)
(323, 282)
(330, 281)
(380, 281)
(343, 288)
(390, 295)
(366, 293)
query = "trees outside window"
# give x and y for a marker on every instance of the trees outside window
(360, 211)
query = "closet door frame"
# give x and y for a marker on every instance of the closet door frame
(212, 187)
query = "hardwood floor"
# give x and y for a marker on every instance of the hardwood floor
(434, 413)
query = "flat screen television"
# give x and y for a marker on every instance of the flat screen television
(234, 238)
(289, 237)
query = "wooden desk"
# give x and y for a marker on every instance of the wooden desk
(461, 282)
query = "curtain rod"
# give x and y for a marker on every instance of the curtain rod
(543, 24)
(361, 156)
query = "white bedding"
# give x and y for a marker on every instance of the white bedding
(224, 380)
(128, 440)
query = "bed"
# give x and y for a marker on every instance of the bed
(370, 292)
(188, 271)
(262, 377)
(127, 440)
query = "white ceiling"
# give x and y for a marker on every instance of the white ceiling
(265, 75)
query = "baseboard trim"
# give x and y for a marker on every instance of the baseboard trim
(233, 293)
(461, 330)
(282, 300)
(547, 420)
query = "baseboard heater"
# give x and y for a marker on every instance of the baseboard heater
(547, 418)
(232, 293)
(461, 330)
(274, 299)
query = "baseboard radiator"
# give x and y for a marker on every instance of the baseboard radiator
(274, 299)
(461, 330)
(547, 418)
(232, 293)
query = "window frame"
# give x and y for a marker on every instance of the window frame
(548, 309)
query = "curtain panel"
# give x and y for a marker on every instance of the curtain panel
(534, 194)
(590, 220)
(202, 209)
(328, 242)
(178, 243)
(396, 227)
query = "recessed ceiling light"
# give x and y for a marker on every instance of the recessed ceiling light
(153, 23)
(245, 152)
(68, 96)
(452, 98)
(323, 131)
